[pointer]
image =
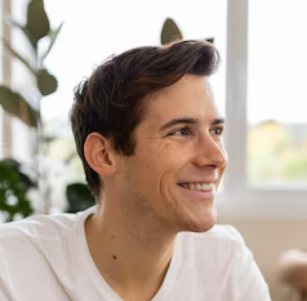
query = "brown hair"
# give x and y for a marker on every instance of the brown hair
(112, 101)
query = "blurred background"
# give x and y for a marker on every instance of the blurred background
(47, 47)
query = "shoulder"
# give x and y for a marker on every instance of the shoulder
(42, 227)
(216, 253)
(37, 248)
(38, 226)
(41, 239)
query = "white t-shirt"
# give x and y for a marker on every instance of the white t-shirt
(47, 258)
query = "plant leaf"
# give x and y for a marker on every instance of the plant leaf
(13, 185)
(210, 40)
(20, 57)
(53, 34)
(26, 182)
(170, 32)
(79, 197)
(47, 83)
(14, 104)
(37, 21)
(31, 38)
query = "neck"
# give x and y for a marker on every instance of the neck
(129, 255)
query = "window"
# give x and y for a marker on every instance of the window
(266, 176)
(276, 103)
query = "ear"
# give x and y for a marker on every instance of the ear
(99, 154)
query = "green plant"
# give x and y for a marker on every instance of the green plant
(79, 197)
(36, 28)
(14, 185)
(171, 32)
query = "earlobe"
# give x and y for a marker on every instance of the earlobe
(98, 153)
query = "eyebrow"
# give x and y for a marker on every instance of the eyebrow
(177, 121)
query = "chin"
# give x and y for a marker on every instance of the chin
(200, 225)
(198, 217)
(205, 226)
(205, 220)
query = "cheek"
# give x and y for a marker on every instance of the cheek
(168, 159)
(156, 166)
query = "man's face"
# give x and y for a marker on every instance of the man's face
(179, 159)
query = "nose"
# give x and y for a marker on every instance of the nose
(210, 152)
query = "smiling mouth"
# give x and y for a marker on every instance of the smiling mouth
(197, 186)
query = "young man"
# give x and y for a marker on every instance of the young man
(150, 138)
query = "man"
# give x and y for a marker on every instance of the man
(150, 138)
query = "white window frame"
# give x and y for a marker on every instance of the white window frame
(237, 199)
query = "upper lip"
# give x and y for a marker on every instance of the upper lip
(206, 181)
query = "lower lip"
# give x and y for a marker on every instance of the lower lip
(198, 194)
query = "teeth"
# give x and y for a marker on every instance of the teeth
(199, 186)
(207, 187)
(191, 186)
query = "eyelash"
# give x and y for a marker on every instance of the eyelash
(180, 130)
(220, 129)
(187, 130)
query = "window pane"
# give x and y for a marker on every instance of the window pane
(277, 106)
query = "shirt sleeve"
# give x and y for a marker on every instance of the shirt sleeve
(3, 293)
(248, 281)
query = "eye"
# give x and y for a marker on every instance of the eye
(180, 132)
(217, 131)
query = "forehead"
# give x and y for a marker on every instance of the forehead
(190, 97)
